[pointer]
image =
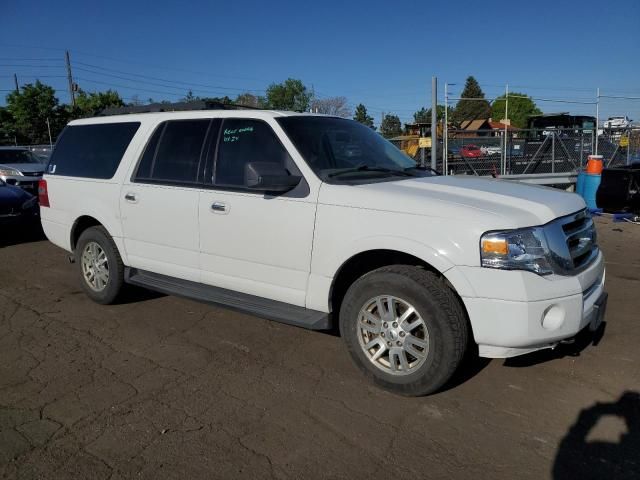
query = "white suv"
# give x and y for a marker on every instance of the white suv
(317, 221)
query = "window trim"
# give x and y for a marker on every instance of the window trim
(302, 190)
(202, 160)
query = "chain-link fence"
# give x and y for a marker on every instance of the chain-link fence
(518, 152)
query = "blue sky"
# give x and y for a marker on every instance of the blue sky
(371, 52)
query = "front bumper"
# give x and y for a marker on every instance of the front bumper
(557, 309)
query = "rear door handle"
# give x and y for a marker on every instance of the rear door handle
(219, 207)
(131, 197)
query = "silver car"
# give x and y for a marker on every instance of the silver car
(20, 167)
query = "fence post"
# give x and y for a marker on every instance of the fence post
(629, 146)
(553, 152)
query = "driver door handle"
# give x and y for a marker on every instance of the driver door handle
(219, 207)
(131, 197)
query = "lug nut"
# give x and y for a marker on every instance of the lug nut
(395, 324)
(385, 324)
(402, 334)
(399, 343)
(389, 344)
(382, 334)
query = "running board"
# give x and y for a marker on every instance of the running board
(242, 302)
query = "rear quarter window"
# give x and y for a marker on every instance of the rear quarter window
(91, 151)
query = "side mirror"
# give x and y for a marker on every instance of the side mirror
(269, 177)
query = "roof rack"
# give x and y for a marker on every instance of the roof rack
(173, 107)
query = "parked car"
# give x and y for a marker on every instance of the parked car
(471, 151)
(20, 167)
(613, 123)
(491, 149)
(253, 210)
(16, 206)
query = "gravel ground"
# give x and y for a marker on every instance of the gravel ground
(163, 387)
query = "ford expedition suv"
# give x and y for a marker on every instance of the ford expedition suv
(319, 222)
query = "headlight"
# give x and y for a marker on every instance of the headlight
(30, 203)
(10, 172)
(522, 249)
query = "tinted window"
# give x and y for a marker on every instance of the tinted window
(243, 141)
(174, 152)
(92, 151)
(18, 156)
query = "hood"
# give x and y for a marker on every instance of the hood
(26, 167)
(491, 203)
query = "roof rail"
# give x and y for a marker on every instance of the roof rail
(173, 107)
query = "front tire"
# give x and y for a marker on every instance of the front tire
(404, 328)
(100, 267)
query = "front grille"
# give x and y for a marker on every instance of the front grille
(581, 239)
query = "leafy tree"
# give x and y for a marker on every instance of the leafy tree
(190, 97)
(31, 109)
(7, 127)
(363, 117)
(289, 95)
(520, 107)
(391, 126)
(88, 104)
(331, 106)
(424, 114)
(471, 109)
(224, 100)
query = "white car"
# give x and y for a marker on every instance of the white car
(491, 149)
(613, 123)
(264, 212)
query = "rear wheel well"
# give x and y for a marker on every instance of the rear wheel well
(363, 263)
(79, 226)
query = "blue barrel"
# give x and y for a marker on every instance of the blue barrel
(591, 182)
(580, 183)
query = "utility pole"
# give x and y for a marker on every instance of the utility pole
(445, 136)
(434, 122)
(506, 120)
(597, 117)
(70, 79)
(15, 80)
(381, 120)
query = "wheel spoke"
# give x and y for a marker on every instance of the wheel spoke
(392, 360)
(373, 327)
(403, 360)
(379, 352)
(409, 327)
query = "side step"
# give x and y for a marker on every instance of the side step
(242, 302)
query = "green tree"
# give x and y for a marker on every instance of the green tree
(363, 117)
(31, 109)
(471, 109)
(290, 95)
(390, 126)
(89, 104)
(424, 114)
(7, 127)
(521, 106)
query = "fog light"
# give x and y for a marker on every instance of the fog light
(553, 317)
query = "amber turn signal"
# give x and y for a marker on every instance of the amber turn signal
(495, 245)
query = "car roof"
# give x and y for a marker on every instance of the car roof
(191, 114)
(20, 149)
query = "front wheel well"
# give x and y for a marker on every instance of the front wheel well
(79, 226)
(363, 263)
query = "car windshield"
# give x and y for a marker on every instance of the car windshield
(341, 150)
(18, 156)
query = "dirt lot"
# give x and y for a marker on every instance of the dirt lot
(162, 387)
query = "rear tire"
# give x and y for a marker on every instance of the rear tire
(404, 328)
(99, 264)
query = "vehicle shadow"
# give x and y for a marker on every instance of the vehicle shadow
(472, 364)
(578, 457)
(135, 294)
(583, 340)
(16, 235)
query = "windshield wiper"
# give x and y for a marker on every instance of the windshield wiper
(367, 168)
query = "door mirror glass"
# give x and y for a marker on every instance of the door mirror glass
(269, 177)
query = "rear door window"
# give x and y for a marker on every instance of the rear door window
(91, 151)
(174, 153)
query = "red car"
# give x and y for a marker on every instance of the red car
(471, 151)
